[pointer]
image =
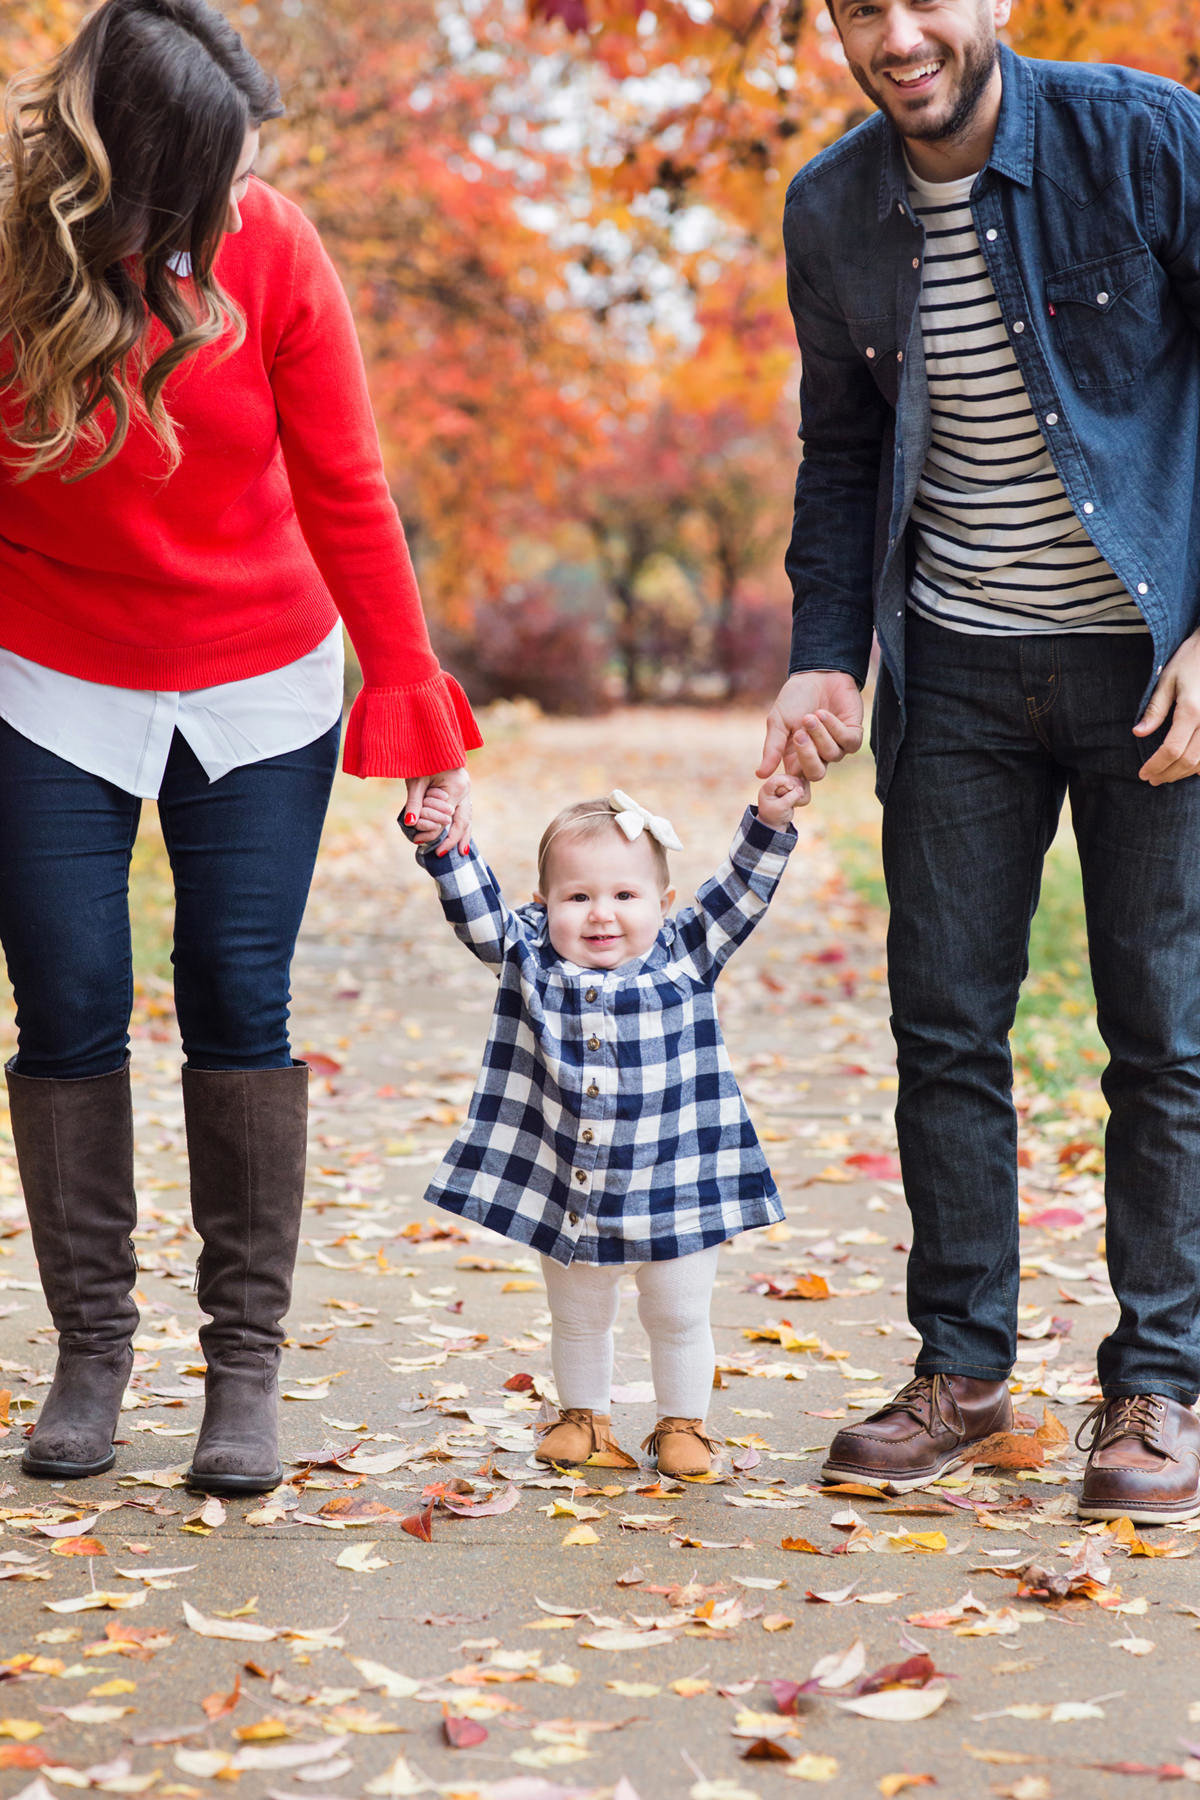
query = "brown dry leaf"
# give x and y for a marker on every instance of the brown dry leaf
(347, 1510)
(890, 1785)
(614, 1458)
(1051, 1432)
(766, 1750)
(1007, 1450)
(802, 1544)
(216, 1706)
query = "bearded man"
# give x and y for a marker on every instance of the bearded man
(995, 283)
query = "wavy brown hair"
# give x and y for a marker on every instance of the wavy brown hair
(117, 158)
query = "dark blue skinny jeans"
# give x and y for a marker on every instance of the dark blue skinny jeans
(999, 729)
(242, 851)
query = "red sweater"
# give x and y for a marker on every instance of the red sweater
(277, 519)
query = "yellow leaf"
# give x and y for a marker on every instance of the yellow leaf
(21, 1729)
(580, 1535)
(688, 1686)
(261, 1731)
(812, 1768)
(117, 1686)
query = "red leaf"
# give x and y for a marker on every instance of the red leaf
(1058, 1216)
(420, 1525)
(784, 1694)
(878, 1165)
(22, 1756)
(463, 1734)
(320, 1064)
(573, 13)
(519, 1384)
(915, 1671)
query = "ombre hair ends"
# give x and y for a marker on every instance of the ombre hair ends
(116, 159)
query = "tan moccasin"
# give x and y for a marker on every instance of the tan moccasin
(578, 1434)
(681, 1447)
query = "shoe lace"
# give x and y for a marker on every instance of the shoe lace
(929, 1397)
(1129, 1415)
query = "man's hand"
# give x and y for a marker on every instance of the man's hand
(817, 720)
(455, 790)
(1178, 756)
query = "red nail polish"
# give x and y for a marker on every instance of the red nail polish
(410, 818)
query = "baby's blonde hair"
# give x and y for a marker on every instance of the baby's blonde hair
(589, 819)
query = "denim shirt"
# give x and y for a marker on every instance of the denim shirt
(1088, 217)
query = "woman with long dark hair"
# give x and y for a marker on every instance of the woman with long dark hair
(191, 492)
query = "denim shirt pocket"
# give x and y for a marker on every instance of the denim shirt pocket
(1106, 317)
(875, 341)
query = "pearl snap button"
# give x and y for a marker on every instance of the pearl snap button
(899, 356)
(1018, 324)
(1101, 299)
(1052, 418)
(870, 350)
(1143, 588)
(916, 262)
(991, 235)
(1088, 507)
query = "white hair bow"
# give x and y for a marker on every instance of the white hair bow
(633, 819)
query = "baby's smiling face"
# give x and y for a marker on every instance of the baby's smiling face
(604, 900)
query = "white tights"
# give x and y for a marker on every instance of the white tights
(673, 1306)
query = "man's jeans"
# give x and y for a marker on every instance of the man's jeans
(999, 728)
(242, 851)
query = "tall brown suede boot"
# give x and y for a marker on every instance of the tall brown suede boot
(246, 1137)
(74, 1144)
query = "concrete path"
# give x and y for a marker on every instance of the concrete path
(595, 1635)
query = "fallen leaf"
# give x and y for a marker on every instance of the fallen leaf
(239, 1630)
(898, 1704)
(420, 1525)
(461, 1733)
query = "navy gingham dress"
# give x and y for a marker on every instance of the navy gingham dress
(606, 1125)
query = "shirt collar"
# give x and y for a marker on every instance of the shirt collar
(1012, 149)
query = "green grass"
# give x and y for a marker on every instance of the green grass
(1056, 1046)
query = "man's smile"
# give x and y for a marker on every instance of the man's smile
(913, 80)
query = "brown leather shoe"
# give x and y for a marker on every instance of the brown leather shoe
(578, 1433)
(1143, 1461)
(922, 1433)
(681, 1447)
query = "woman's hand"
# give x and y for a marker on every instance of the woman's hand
(440, 803)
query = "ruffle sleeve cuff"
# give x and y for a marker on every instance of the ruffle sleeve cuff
(411, 730)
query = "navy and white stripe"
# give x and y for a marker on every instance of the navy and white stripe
(607, 1125)
(998, 546)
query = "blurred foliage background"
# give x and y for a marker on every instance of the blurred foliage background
(558, 221)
